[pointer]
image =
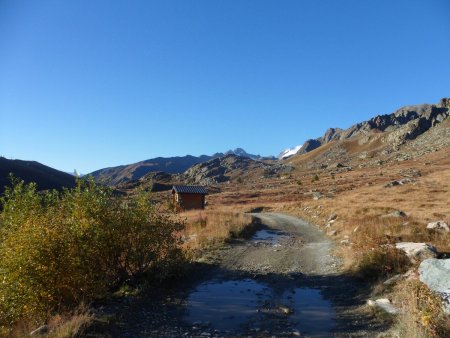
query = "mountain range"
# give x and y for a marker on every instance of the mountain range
(405, 129)
(172, 165)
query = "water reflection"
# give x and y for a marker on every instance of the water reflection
(233, 304)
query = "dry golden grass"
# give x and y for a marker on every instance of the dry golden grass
(212, 227)
(360, 200)
(363, 143)
(422, 315)
(59, 326)
(69, 327)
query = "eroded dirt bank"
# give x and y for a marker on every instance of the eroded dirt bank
(282, 282)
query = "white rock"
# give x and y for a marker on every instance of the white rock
(439, 225)
(418, 251)
(385, 305)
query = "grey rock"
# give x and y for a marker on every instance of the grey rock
(417, 251)
(317, 195)
(396, 213)
(398, 182)
(336, 165)
(439, 226)
(435, 273)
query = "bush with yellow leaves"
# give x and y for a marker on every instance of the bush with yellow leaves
(61, 249)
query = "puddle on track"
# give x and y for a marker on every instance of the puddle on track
(225, 305)
(233, 304)
(312, 314)
(268, 236)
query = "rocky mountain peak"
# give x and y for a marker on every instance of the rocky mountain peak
(445, 103)
(289, 152)
(332, 134)
(405, 123)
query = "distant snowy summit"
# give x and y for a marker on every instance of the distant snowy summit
(241, 152)
(289, 152)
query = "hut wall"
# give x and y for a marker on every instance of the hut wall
(191, 201)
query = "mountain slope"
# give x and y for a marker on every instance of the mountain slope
(126, 173)
(172, 165)
(404, 124)
(232, 168)
(31, 171)
(409, 132)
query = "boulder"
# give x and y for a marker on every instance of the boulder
(403, 181)
(395, 213)
(317, 195)
(417, 251)
(385, 305)
(439, 226)
(435, 273)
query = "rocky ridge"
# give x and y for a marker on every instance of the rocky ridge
(406, 123)
(123, 174)
(231, 167)
(215, 171)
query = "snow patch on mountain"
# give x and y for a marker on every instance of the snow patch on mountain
(289, 152)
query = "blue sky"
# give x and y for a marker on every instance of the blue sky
(91, 84)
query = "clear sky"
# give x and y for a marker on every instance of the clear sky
(90, 84)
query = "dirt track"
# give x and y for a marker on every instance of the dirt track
(282, 282)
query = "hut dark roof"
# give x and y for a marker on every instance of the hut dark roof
(190, 189)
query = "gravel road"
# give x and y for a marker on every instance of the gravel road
(282, 282)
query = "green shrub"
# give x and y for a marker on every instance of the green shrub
(58, 250)
(315, 178)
